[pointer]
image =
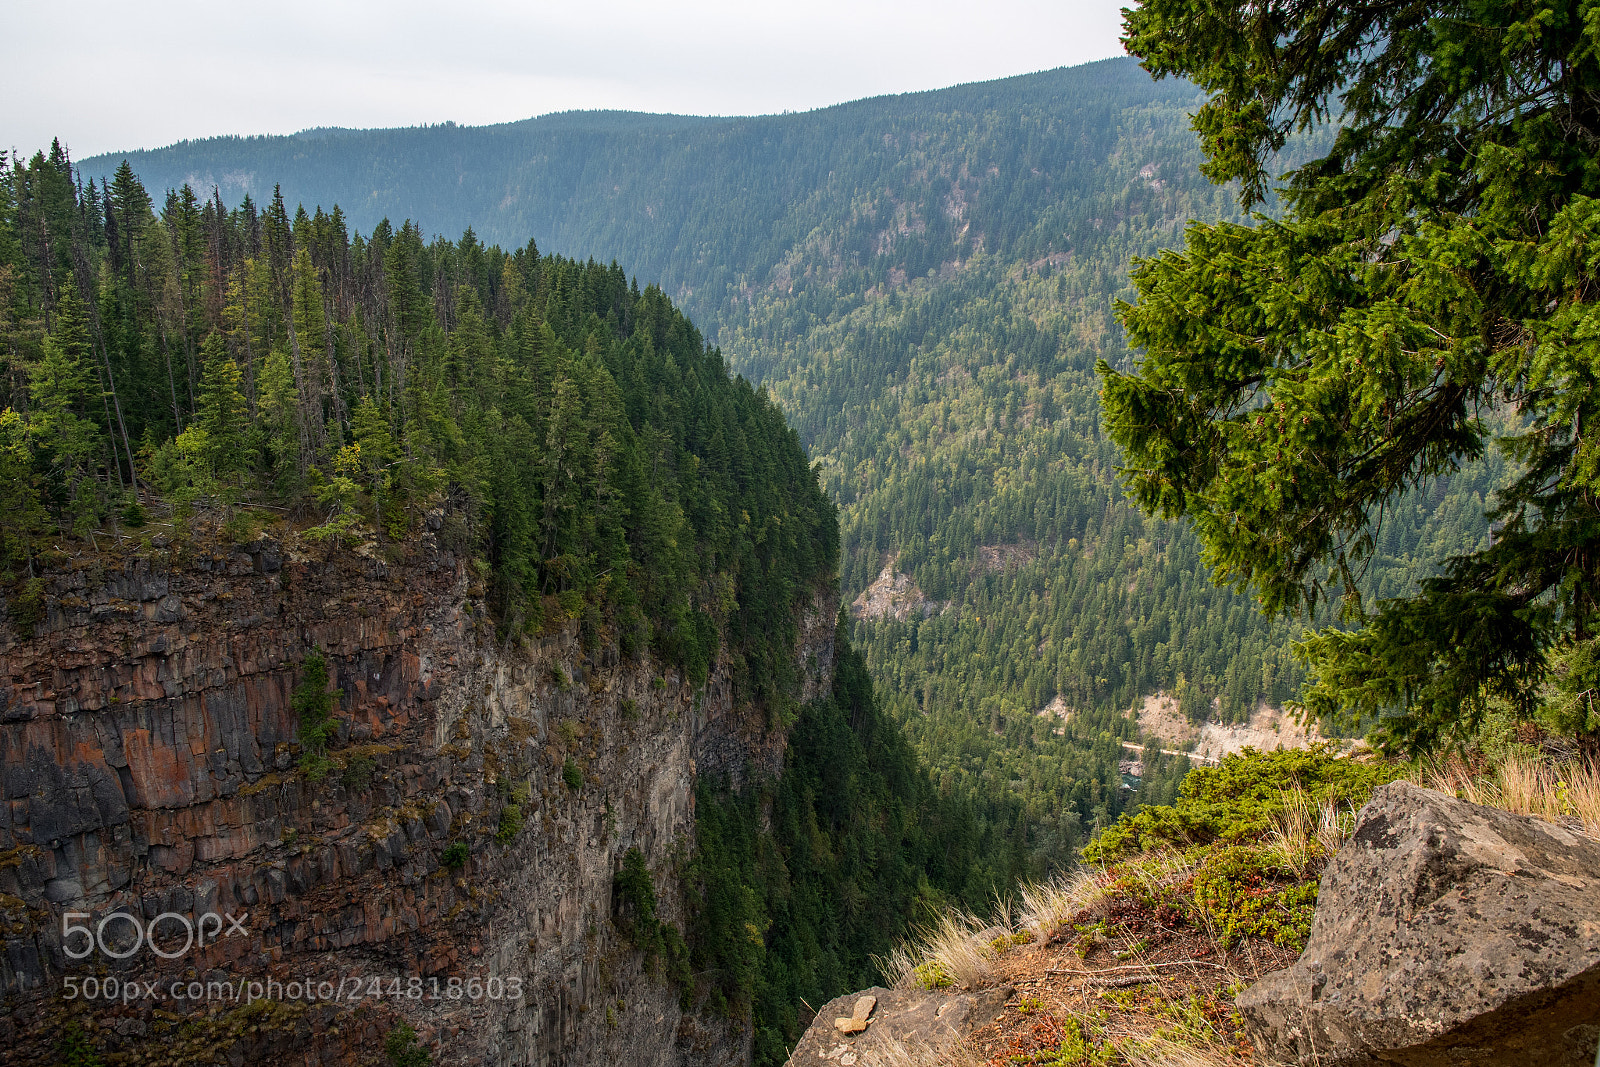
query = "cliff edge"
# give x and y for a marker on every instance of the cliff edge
(177, 886)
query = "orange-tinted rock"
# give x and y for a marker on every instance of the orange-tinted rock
(148, 765)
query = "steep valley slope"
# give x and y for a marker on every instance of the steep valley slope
(575, 586)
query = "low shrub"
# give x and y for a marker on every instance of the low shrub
(401, 1048)
(510, 824)
(357, 774)
(1242, 800)
(1240, 891)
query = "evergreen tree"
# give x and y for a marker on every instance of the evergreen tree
(223, 412)
(23, 518)
(64, 440)
(1300, 376)
(279, 409)
(314, 703)
(376, 448)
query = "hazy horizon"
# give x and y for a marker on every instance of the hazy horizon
(180, 71)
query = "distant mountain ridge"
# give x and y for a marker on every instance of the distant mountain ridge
(608, 184)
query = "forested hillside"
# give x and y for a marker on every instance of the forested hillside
(569, 434)
(924, 283)
(592, 448)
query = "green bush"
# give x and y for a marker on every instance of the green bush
(76, 1050)
(133, 516)
(572, 775)
(401, 1049)
(357, 774)
(635, 897)
(1237, 801)
(635, 913)
(1249, 873)
(510, 824)
(27, 606)
(455, 855)
(239, 528)
(1078, 1048)
(314, 703)
(932, 975)
(1241, 890)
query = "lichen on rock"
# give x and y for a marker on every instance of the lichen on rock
(1444, 933)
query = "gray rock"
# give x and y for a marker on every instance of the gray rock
(1445, 933)
(908, 1017)
(63, 890)
(170, 609)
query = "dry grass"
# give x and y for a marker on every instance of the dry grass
(953, 951)
(951, 1053)
(1158, 870)
(1523, 785)
(1302, 837)
(1293, 839)
(1046, 906)
(1583, 797)
(960, 949)
(1334, 827)
(1175, 1012)
(1161, 1052)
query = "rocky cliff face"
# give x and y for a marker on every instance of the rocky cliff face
(148, 748)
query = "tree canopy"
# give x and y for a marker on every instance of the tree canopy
(586, 450)
(1426, 295)
(573, 439)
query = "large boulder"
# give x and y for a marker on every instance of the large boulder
(1445, 933)
(896, 1020)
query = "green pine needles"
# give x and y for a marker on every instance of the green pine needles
(314, 703)
(635, 904)
(401, 1047)
(1426, 298)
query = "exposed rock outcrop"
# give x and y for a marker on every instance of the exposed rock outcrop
(893, 595)
(482, 799)
(1268, 728)
(1445, 933)
(897, 1019)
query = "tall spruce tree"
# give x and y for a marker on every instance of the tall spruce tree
(1428, 294)
(376, 451)
(64, 439)
(223, 412)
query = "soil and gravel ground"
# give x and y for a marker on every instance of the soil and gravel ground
(1129, 976)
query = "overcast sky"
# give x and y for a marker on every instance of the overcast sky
(107, 75)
